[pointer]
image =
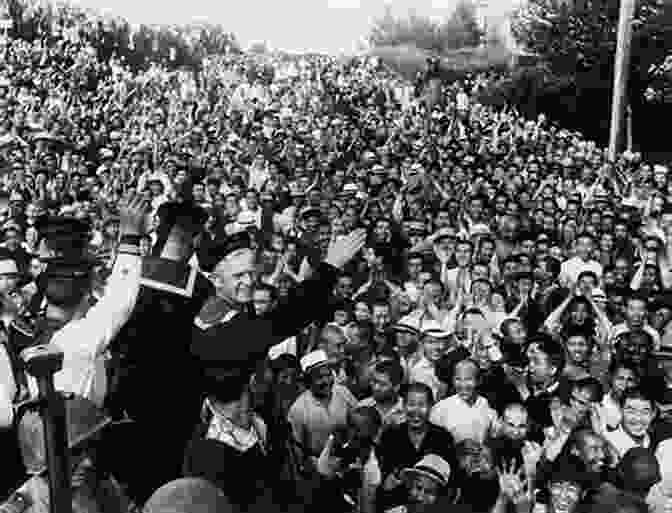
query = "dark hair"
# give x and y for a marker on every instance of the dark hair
(392, 369)
(419, 388)
(590, 273)
(553, 266)
(368, 412)
(472, 311)
(637, 333)
(554, 351)
(621, 502)
(591, 384)
(574, 331)
(563, 472)
(637, 296)
(637, 394)
(366, 330)
(620, 364)
(467, 360)
(585, 235)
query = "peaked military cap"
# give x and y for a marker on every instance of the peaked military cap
(64, 235)
(70, 268)
(215, 254)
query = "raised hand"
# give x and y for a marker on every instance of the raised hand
(596, 421)
(328, 465)
(515, 486)
(133, 215)
(343, 250)
(532, 453)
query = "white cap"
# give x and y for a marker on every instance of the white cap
(313, 360)
(246, 218)
(8, 266)
(432, 466)
(433, 329)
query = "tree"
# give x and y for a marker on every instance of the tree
(577, 41)
(579, 38)
(462, 29)
(459, 31)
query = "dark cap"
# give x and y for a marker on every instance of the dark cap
(215, 254)
(565, 472)
(64, 235)
(70, 268)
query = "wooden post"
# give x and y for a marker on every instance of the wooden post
(621, 70)
(628, 121)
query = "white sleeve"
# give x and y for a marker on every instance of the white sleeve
(105, 319)
(7, 389)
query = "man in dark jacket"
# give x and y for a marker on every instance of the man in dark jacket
(154, 383)
(227, 348)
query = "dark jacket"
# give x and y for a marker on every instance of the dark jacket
(155, 383)
(227, 353)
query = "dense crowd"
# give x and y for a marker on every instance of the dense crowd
(310, 286)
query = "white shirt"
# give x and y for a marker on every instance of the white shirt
(462, 101)
(610, 411)
(7, 389)
(660, 496)
(84, 341)
(464, 421)
(570, 270)
(424, 372)
(287, 346)
(449, 277)
(623, 442)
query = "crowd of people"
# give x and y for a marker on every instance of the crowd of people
(301, 284)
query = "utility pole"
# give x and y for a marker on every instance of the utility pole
(621, 71)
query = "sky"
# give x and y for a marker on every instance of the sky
(295, 25)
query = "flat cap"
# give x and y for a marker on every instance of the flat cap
(216, 253)
(70, 268)
(64, 235)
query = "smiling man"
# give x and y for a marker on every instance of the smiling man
(227, 350)
(638, 411)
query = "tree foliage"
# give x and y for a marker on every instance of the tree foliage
(460, 30)
(579, 38)
(576, 42)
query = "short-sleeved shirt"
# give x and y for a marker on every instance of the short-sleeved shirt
(392, 417)
(424, 371)
(462, 420)
(313, 420)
